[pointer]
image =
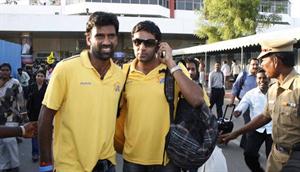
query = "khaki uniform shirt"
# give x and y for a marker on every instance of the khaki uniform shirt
(283, 108)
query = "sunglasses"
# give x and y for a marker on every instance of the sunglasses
(147, 42)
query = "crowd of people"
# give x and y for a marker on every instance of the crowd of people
(77, 101)
(20, 100)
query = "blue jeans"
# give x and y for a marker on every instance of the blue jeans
(35, 146)
(132, 167)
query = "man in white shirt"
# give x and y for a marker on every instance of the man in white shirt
(235, 69)
(216, 88)
(256, 100)
(226, 71)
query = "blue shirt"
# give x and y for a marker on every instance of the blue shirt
(249, 83)
(256, 101)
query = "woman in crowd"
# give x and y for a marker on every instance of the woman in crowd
(11, 101)
(35, 97)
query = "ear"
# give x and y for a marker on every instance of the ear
(88, 39)
(275, 61)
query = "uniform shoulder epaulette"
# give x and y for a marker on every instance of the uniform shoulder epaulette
(272, 83)
(72, 57)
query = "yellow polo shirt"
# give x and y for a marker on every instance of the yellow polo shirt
(147, 122)
(84, 124)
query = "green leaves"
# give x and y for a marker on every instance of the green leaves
(227, 19)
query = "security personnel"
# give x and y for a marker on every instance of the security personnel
(283, 102)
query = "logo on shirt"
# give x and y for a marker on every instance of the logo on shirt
(117, 87)
(85, 83)
(161, 80)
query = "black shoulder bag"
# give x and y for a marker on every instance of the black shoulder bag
(193, 133)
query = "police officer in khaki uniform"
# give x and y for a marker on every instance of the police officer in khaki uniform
(283, 102)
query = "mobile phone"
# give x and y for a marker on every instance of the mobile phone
(163, 54)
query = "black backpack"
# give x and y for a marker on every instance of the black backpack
(193, 133)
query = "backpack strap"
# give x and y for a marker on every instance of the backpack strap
(243, 78)
(244, 75)
(169, 90)
(123, 89)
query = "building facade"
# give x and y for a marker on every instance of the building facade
(59, 25)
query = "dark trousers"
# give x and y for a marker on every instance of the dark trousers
(104, 166)
(34, 146)
(247, 119)
(251, 154)
(132, 167)
(235, 76)
(217, 97)
(11, 170)
(25, 92)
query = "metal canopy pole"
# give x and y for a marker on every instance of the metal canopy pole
(205, 62)
(242, 58)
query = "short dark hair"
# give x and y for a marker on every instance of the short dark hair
(5, 65)
(102, 19)
(42, 72)
(287, 58)
(147, 26)
(260, 70)
(253, 58)
(192, 60)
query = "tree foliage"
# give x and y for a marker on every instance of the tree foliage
(227, 19)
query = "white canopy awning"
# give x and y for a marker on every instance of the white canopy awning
(248, 41)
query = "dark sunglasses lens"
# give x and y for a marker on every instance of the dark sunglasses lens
(150, 42)
(137, 42)
(147, 43)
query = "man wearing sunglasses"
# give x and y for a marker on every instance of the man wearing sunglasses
(147, 119)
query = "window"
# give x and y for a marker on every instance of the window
(197, 5)
(274, 6)
(153, 2)
(144, 1)
(189, 5)
(135, 1)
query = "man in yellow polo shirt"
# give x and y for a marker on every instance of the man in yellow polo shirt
(147, 122)
(82, 98)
